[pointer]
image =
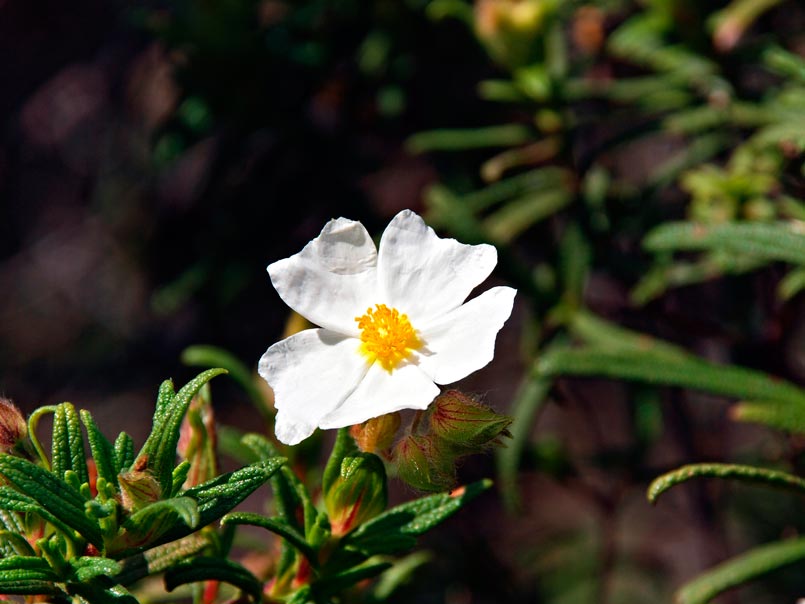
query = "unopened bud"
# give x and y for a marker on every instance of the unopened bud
(465, 423)
(358, 494)
(377, 434)
(511, 29)
(138, 488)
(424, 464)
(13, 430)
(197, 442)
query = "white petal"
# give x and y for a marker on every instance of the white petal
(333, 279)
(463, 341)
(382, 392)
(311, 373)
(425, 276)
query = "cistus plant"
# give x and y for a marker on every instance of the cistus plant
(95, 527)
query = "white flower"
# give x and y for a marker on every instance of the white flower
(393, 323)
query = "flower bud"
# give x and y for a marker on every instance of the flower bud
(377, 434)
(466, 423)
(197, 442)
(424, 464)
(13, 430)
(512, 29)
(358, 494)
(138, 488)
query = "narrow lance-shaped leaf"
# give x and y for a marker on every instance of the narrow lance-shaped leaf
(160, 558)
(57, 497)
(14, 501)
(218, 496)
(770, 241)
(394, 530)
(124, 452)
(146, 527)
(103, 452)
(159, 451)
(336, 583)
(741, 569)
(762, 476)
(277, 526)
(690, 372)
(68, 443)
(213, 569)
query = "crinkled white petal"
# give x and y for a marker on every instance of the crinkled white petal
(425, 276)
(311, 373)
(381, 392)
(463, 340)
(333, 279)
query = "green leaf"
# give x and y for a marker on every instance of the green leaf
(660, 368)
(743, 473)
(102, 450)
(68, 443)
(399, 574)
(55, 496)
(14, 501)
(275, 525)
(160, 558)
(14, 544)
(394, 530)
(159, 451)
(179, 476)
(213, 569)
(147, 526)
(471, 138)
(741, 569)
(518, 215)
(25, 568)
(124, 452)
(769, 241)
(338, 582)
(775, 414)
(218, 496)
(87, 568)
(101, 589)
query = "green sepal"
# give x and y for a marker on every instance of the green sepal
(146, 527)
(213, 569)
(103, 452)
(124, 452)
(740, 569)
(762, 476)
(55, 496)
(396, 529)
(277, 526)
(344, 446)
(159, 451)
(68, 443)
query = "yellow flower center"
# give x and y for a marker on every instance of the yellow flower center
(386, 336)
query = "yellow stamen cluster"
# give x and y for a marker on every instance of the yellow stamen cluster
(387, 336)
